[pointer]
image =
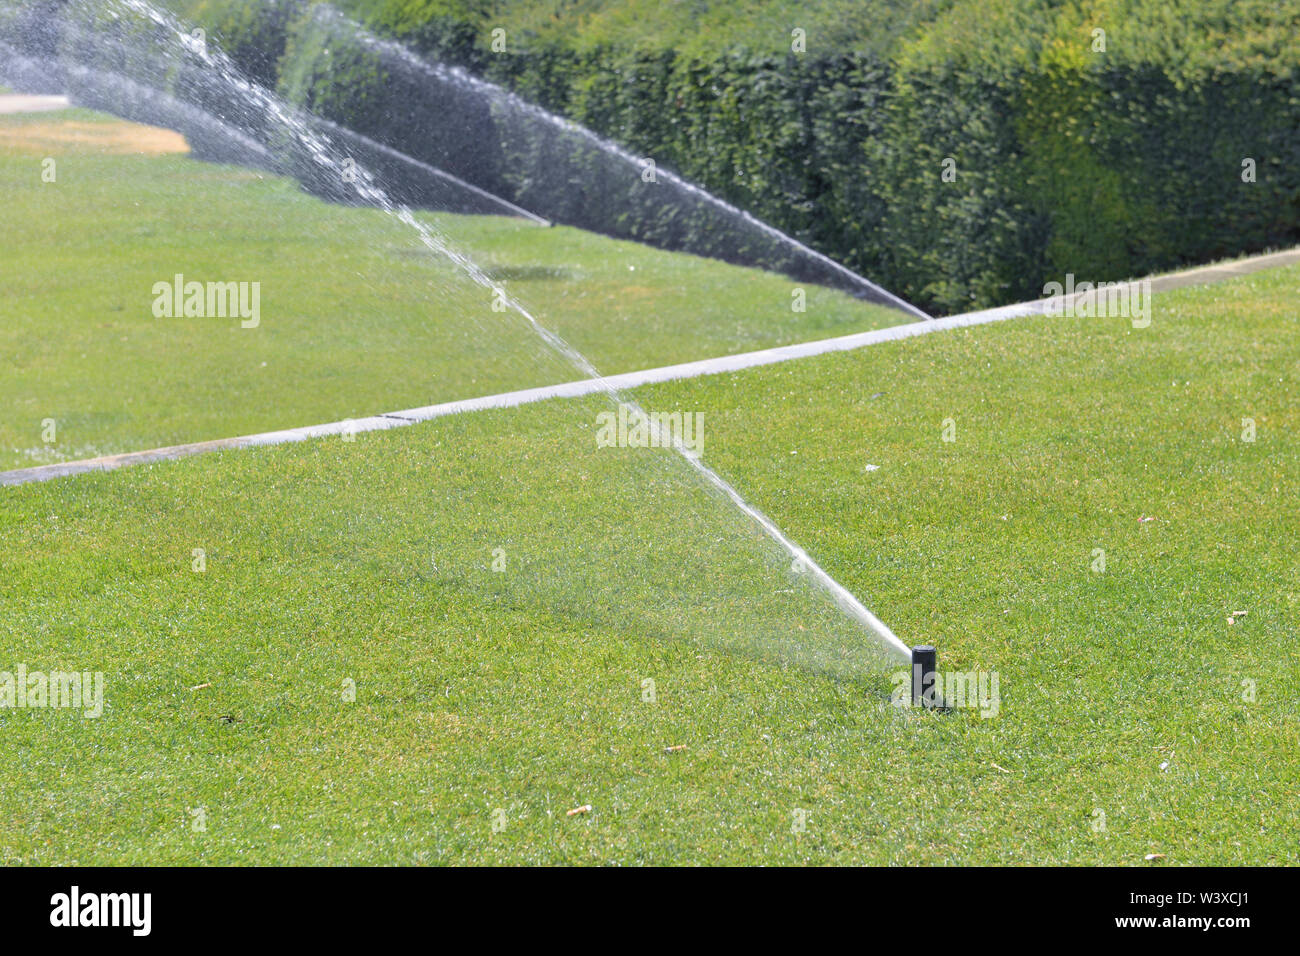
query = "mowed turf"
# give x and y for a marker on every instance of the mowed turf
(1134, 719)
(356, 317)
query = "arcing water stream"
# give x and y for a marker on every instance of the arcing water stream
(255, 99)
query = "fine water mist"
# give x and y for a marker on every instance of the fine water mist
(710, 518)
(557, 168)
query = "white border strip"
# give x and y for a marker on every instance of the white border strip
(12, 103)
(586, 386)
(627, 380)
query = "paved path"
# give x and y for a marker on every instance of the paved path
(24, 103)
(728, 363)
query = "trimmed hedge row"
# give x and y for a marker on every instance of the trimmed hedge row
(1105, 166)
(253, 34)
(500, 142)
(1105, 173)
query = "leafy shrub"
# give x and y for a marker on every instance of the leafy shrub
(1067, 158)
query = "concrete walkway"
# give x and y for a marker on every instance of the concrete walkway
(729, 363)
(25, 103)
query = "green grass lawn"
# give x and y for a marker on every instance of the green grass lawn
(356, 317)
(521, 691)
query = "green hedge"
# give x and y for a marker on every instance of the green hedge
(430, 117)
(252, 32)
(1106, 165)
(482, 133)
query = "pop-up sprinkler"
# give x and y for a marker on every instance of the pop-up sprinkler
(925, 678)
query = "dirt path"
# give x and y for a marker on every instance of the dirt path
(40, 136)
(116, 138)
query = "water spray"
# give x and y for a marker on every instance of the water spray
(831, 272)
(324, 154)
